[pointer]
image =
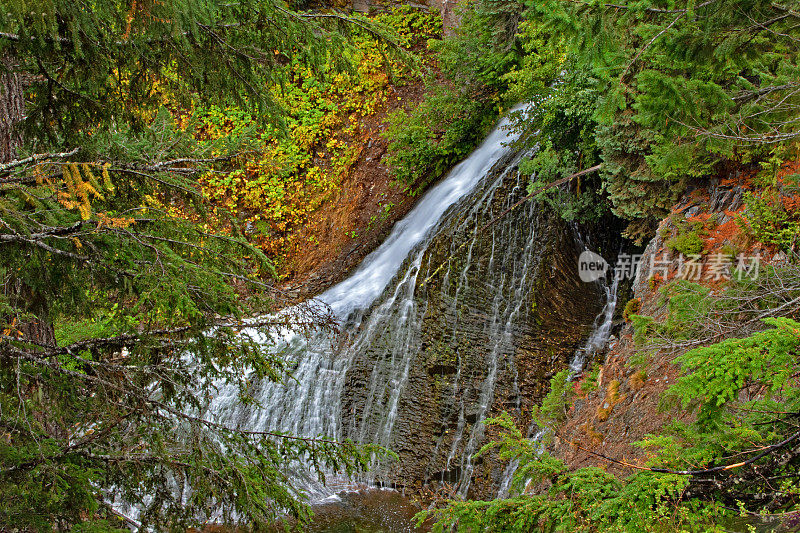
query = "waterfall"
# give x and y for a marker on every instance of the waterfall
(456, 315)
(371, 278)
(396, 338)
(371, 310)
(601, 331)
(595, 343)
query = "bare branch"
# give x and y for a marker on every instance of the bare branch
(36, 158)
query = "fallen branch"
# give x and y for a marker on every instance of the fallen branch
(36, 158)
(645, 47)
(167, 335)
(543, 188)
(767, 450)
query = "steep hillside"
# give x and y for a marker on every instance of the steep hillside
(315, 192)
(709, 233)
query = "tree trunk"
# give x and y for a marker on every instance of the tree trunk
(21, 297)
(35, 329)
(12, 108)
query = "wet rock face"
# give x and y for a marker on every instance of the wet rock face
(488, 315)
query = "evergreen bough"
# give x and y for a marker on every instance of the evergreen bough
(126, 294)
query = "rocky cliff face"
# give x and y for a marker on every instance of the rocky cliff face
(703, 240)
(490, 313)
(489, 310)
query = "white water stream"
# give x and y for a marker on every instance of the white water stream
(601, 332)
(381, 309)
(597, 341)
(310, 403)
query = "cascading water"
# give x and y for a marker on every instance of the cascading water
(310, 404)
(456, 315)
(597, 341)
(397, 334)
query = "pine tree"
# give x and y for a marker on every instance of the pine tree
(124, 292)
(682, 89)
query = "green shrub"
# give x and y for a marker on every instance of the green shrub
(688, 239)
(457, 112)
(767, 220)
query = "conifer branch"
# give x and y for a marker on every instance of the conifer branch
(767, 138)
(780, 287)
(763, 91)
(70, 448)
(16, 38)
(143, 395)
(650, 43)
(6, 238)
(122, 42)
(169, 335)
(98, 278)
(649, 9)
(350, 20)
(49, 231)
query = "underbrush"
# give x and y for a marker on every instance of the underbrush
(289, 169)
